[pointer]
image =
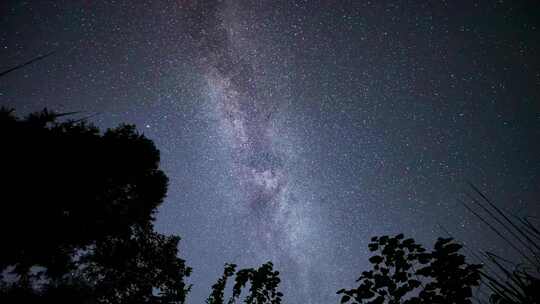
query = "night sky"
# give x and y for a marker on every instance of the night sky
(293, 131)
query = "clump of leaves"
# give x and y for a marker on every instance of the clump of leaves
(263, 283)
(217, 295)
(405, 272)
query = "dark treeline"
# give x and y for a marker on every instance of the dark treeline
(78, 207)
(77, 212)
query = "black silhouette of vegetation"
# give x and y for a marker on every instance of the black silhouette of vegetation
(509, 282)
(405, 272)
(78, 207)
(218, 289)
(263, 284)
(22, 65)
(77, 215)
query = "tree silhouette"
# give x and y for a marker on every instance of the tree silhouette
(218, 289)
(77, 213)
(263, 282)
(404, 272)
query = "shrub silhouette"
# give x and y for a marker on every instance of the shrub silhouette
(404, 272)
(77, 213)
(509, 282)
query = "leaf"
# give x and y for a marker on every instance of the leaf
(373, 246)
(376, 259)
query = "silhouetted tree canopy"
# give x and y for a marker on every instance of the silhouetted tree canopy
(404, 272)
(78, 207)
(77, 214)
(218, 289)
(263, 285)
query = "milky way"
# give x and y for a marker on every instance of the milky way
(294, 130)
(246, 112)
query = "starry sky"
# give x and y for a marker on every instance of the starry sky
(293, 131)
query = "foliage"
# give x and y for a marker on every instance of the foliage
(217, 295)
(78, 206)
(520, 287)
(263, 283)
(404, 272)
(509, 283)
